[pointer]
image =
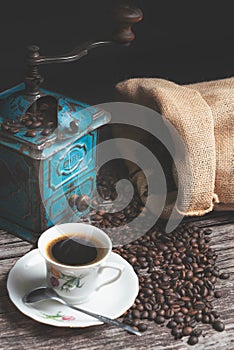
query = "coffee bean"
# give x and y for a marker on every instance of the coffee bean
(184, 310)
(193, 340)
(169, 313)
(140, 307)
(13, 130)
(46, 132)
(5, 127)
(136, 314)
(171, 324)
(28, 123)
(197, 332)
(215, 314)
(187, 330)
(218, 294)
(205, 319)
(159, 319)
(218, 326)
(178, 319)
(212, 318)
(31, 133)
(161, 313)
(144, 314)
(152, 315)
(187, 319)
(177, 332)
(189, 274)
(135, 322)
(207, 231)
(147, 291)
(50, 124)
(148, 306)
(142, 327)
(224, 275)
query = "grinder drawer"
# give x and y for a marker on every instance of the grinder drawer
(58, 208)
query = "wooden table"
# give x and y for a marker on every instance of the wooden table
(20, 332)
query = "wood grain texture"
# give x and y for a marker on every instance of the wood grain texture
(20, 332)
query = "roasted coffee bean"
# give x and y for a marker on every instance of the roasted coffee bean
(187, 330)
(147, 291)
(31, 133)
(218, 326)
(136, 314)
(140, 307)
(142, 327)
(205, 319)
(187, 319)
(193, 340)
(28, 123)
(197, 332)
(177, 332)
(13, 130)
(218, 294)
(178, 319)
(144, 314)
(135, 322)
(215, 314)
(171, 324)
(5, 127)
(148, 306)
(46, 132)
(184, 310)
(207, 231)
(224, 275)
(152, 315)
(169, 314)
(159, 319)
(161, 313)
(50, 124)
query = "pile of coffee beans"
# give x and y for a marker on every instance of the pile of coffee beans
(177, 272)
(40, 120)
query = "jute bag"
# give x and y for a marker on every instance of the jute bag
(203, 115)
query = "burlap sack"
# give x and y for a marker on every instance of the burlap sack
(203, 116)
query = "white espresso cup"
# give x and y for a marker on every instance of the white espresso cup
(77, 283)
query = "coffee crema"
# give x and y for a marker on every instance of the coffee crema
(75, 250)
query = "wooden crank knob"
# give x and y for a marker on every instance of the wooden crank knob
(125, 16)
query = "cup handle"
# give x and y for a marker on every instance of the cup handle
(113, 266)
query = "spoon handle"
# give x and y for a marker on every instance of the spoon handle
(107, 320)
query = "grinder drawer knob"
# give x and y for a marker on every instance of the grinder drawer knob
(72, 200)
(82, 202)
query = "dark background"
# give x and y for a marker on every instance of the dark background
(181, 41)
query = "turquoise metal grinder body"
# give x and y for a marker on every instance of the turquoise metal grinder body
(39, 174)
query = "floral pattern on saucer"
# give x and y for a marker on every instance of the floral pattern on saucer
(65, 282)
(59, 317)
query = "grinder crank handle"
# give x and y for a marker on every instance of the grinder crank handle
(125, 16)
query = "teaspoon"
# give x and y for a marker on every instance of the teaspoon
(45, 293)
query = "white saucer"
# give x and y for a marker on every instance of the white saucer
(112, 300)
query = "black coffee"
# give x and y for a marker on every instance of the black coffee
(75, 250)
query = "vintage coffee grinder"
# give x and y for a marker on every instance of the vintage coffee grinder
(48, 144)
